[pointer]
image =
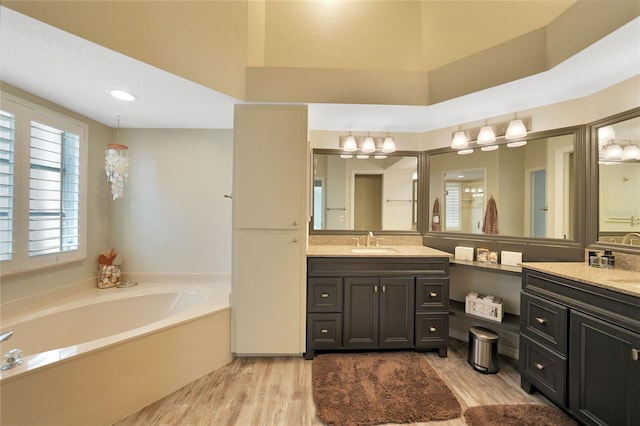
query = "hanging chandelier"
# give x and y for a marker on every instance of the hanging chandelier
(116, 166)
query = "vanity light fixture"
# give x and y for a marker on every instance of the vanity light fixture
(631, 152)
(516, 144)
(486, 135)
(368, 146)
(613, 151)
(516, 129)
(350, 144)
(606, 133)
(388, 145)
(123, 95)
(489, 148)
(459, 140)
(465, 152)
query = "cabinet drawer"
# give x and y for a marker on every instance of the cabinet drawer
(324, 295)
(544, 368)
(544, 321)
(324, 331)
(432, 294)
(431, 329)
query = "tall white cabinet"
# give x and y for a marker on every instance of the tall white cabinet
(270, 218)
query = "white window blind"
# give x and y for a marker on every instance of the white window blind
(43, 187)
(452, 206)
(53, 190)
(7, 161)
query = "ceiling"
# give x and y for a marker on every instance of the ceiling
(78, 75)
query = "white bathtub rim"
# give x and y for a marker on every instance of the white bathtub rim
(35, 362)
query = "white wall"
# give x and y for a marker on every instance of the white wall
(174, 217)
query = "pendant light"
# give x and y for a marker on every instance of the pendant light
(459, 140)
(116, 166)
(486, 135)
(350, 144)
(388, 145)
(368, 146)
(516, 130)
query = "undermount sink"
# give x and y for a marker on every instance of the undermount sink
(373, 250)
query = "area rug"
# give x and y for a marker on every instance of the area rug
(516, 415)
(379, 387)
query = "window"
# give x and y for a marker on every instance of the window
(452, 206)
(42, 187)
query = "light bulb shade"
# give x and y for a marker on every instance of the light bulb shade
(368, 146)
(486, 135)
(489, 148)
(613, 152)
(350, 144)
(389, 145)
(515, 130)
(630, 152)
(465, 152)
(459, 140)
(606, 133)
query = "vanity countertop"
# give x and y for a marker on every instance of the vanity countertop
(619, 280)
(382, 251)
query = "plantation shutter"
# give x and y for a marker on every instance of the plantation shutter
(54, 184)
(452, 206)
(7, 160)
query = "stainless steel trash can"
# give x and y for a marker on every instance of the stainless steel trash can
(483, 350)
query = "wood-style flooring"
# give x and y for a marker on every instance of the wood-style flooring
(277, 391)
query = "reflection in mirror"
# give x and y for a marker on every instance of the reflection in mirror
(520, 191)
(377, 193)
(619, 182)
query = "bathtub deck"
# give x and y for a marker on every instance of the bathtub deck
(277, 391)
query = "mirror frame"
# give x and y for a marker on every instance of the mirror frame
(540, 249)
(593, 178)
(420, 192)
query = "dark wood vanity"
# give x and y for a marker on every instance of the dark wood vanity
(379, 302)
(579, 346)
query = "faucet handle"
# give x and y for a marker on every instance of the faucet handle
(6, 336)
(357, 241)
(378, 241)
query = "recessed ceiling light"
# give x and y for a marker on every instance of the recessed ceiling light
(122, 95)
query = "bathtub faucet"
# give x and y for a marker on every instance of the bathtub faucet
(6, 336)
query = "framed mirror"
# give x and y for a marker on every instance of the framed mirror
(355, 194)
(615, 144)
(516, 190)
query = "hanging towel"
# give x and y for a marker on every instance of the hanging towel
(490, 225)
(436, 225)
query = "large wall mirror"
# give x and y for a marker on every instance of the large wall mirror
(617, 142)
(525, 189)
(376, 193)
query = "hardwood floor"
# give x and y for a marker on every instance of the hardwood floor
(277, 391)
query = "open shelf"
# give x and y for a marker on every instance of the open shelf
(510, 322)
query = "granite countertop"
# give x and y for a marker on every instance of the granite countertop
(382, 251)
(619, 280)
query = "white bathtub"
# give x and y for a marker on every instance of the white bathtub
(92, 356)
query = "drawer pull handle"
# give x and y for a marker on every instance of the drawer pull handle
(540, 320)
(375, 289)
(538, 366)
(432, 329)
(324, 330)
(325, 295)
(635, 354)
(433, 294)
(384, 288)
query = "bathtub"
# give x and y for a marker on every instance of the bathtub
(93, 356)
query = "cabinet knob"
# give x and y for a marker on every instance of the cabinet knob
(295, 240)
(324, 295)
(432, 329)
(433, 294)
(295, 223)
(540, 320)
(324, 330)
(635, 354)
(538, 366)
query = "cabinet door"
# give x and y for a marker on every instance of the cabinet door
(361, 313)
(396, 312)
(267, 293)
(269, 170)
(604, 377)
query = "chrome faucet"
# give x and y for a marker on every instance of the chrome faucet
(6, 336)
(630, 238)
(369, 237)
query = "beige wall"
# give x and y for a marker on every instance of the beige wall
(98, 204)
